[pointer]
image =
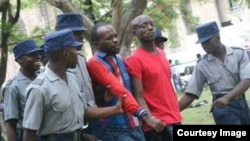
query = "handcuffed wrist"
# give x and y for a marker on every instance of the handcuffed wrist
(142, 113)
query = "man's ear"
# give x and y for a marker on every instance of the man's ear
(65, 53)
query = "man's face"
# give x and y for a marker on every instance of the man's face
(159, 43)
(145, 29)
(108, 41)
(211, 45)
(30, 62)
(79, 36)
(71, 57)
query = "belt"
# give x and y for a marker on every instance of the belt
(241, 97)
(73, 136)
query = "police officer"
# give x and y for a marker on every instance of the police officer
(75, 23)
(159, 39)
(27, 55)
(227, 72)
(55, 105)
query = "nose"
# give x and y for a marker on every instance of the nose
(150, 27)
(115, 39)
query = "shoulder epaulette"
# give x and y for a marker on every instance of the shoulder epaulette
(10, 81)
(38, 81)
(202, 57)
(238, 48)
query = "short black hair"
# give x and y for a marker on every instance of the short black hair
(93, 33)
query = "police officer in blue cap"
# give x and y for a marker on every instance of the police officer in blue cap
(75, 23)
(227, 72)
(159, 39)
(55, 104)
(27, 55)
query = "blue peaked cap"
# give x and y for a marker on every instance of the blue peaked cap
(206, 31)
(158, 34)
(60, 39)
(71, 21)
(25, 47)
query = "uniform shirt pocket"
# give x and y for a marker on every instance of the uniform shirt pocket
(214, 81)
(61, 104)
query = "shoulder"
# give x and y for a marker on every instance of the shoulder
(10, 84)
(39, 80)
(93, 59)
(238, 50)
(10, 81)
(202, 58)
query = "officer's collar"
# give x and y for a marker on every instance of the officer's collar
(50, 74)
(229, 51)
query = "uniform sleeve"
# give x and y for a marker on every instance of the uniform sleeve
(101, 75)
(11, 100)
(134, 67)
(196, 83)
(33, 112)
(244, 67)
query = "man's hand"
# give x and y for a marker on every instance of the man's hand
(108, 96)
(119, 104)
(221, 102)
(154, 123)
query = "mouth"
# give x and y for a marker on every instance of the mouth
(38, 63)
(116, 47)
(151, 35)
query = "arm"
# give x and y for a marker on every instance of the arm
(237, 91)
(29, 135)
(101, 75)
(244, 74)
(151, 121)
(186, 100)
(34, 104)
(96, 113)
(241, 87)
(11, 111)
(11, 129)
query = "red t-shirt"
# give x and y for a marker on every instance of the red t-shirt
(155, 72)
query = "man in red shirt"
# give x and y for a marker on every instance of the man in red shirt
(151, 80)
(108, 72)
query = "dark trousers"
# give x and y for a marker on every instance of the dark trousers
(75, 136)
(165, 135)
(237, 113)
(99, 130)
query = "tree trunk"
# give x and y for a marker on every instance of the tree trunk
(117, 13)
(8, 22)
(125, 33)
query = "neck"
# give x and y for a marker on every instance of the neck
(59, 69)
(220, 53)
(30, 75)
(149, 46)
